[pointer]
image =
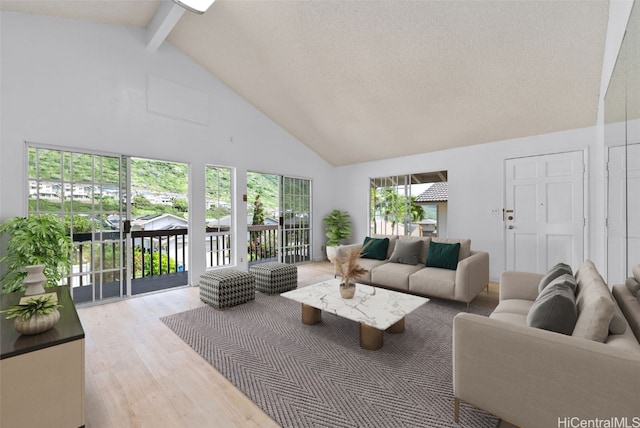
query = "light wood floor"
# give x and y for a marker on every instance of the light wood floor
(140, 374)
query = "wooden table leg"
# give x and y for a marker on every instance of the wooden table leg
(397, 327)
(311, 315)
(370, 337)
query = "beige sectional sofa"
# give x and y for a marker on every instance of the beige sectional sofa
(462, 284)
(533, 377)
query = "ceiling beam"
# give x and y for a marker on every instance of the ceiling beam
(167, 16)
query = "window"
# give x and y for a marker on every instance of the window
(84, 189)
(219, 216)
(404, 205)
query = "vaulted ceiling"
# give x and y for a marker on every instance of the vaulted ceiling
(365, 80)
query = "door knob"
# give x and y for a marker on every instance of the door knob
(510, 227)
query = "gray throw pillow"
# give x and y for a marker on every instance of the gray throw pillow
(633, 285)
(406, 252)
(555, 272)
(555, 308)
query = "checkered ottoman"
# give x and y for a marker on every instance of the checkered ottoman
(273, 277)
(227, 287)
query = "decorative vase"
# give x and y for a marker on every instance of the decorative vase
(348, 290)
(332, 252)
(37, 323)
(34, 280)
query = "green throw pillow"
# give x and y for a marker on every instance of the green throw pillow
(375, 248)
(443, 255)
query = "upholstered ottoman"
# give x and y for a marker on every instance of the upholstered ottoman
(227, 287)
(273, 277)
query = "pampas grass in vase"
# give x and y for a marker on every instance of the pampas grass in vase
(348, 268)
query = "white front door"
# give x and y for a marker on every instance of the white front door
(544, 213)
(623, 221)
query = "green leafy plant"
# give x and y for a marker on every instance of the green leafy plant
(337, 227)
(35, 240)
(42, 305)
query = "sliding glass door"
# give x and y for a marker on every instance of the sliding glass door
(87, 191)
(127, 218)
(295, 220)
(279, 218)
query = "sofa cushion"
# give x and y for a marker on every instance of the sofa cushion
(465, 245)
(394, 275)
(407, 252)
(443, 255)
(514, 306)
(392, 241)
(423, 250)
(369, 265)
(630, 306)
(595, 311)
(375, 248)
(555, 307)
(433, 282)
(553, 273)
(636, 272)
(588, 278)
(511, 318)
(633, 285)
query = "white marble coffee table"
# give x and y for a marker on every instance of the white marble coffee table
(376, 309)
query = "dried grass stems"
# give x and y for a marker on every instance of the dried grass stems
(348, 266)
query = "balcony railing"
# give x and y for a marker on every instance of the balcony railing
(160, 260)
(160, 257)
(218, 247)
(262, 244)
(158, 252)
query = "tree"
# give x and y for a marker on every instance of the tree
(139, 201)
(392, 206)
(180, 205)
(162, 264)
(417, 213)
(258, 218)
(258, 211)
(81, 224)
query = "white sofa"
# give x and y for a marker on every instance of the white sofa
(533, 377)
(463, 284)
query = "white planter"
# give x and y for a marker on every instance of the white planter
(37, 323)
(332, 252)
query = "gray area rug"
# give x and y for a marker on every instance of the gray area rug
(318, 376)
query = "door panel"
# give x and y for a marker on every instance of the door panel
(623, 223)
(524, 257)
(295, 220)
(544, 214)
(85, 189)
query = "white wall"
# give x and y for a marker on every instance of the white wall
(476, 188)
(476, 174)
(83, 85)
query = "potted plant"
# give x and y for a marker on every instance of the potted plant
(337, 228)
(35, 240)
(35, 315)
(349, 269)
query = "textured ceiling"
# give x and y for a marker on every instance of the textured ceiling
(365, 80)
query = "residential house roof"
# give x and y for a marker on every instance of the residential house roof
(437, 192)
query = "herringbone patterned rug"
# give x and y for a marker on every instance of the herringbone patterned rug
(318, 376)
